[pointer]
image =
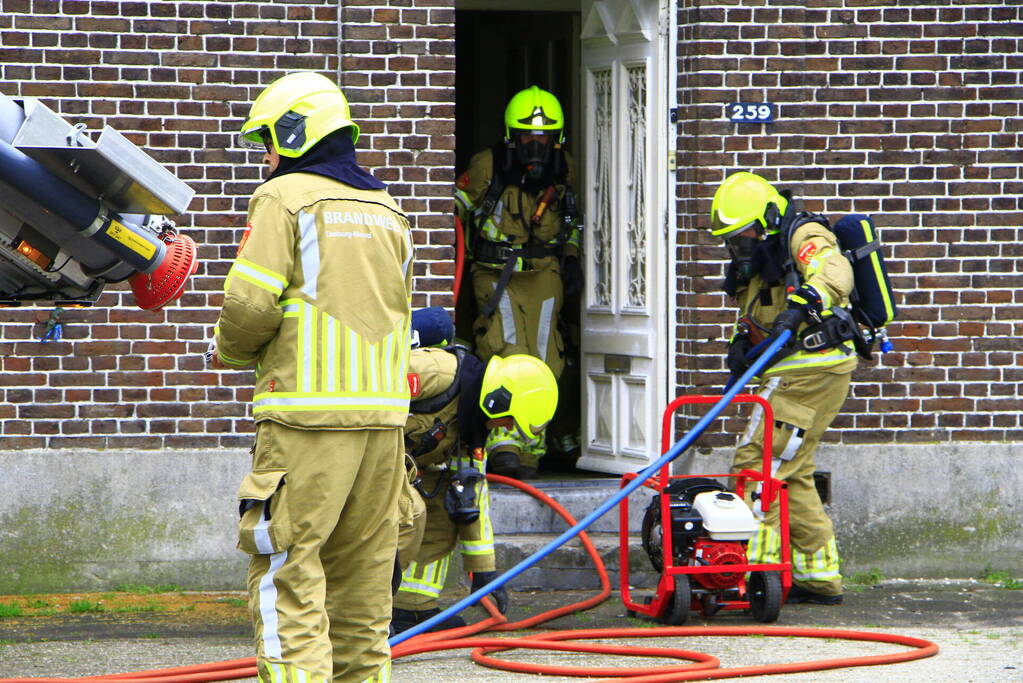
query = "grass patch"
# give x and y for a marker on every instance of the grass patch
(143, 589)
(150, 606)
(82, 606)
(1001, 579)
(8, 610)
(233, 602)
(867, 579)
(36, 604)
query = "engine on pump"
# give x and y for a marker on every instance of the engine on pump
(709, 527)
(76, 214)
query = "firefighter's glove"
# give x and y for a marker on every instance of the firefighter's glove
(572, 275)
(737, 350)
(809, 300)
(499, 596)
(790, 319)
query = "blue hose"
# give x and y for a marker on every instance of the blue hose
(673, 452)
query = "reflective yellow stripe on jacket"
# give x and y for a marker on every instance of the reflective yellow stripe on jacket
(427, 579)
(804, 360)
(336, 369)
(257, 275)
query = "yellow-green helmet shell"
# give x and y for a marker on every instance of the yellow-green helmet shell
(298, 110)
(534, 109)
(522, 387)
(740, 202)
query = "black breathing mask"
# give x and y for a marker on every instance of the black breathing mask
(460, 500)
(742, 248)
(532, 152)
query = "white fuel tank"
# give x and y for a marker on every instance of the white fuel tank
(726, 517)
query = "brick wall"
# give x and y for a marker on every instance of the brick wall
(177, 78)
(912, 113)
(398, 71)
(908, 112)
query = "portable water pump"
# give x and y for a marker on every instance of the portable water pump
(708, 527)
(696, 533)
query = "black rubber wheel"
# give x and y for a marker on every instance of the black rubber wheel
(651, 534)
(764, 592)
(679, 602)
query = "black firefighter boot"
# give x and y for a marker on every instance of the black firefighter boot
(504, 463)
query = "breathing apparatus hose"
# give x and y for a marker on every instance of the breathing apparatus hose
(672, 453)
(701, 666)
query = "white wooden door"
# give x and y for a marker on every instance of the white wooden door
(625, 72)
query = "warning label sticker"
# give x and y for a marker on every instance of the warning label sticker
(136, 243)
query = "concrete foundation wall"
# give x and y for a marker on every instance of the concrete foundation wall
(77, 520)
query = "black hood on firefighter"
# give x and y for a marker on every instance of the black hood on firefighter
(766, 261)
(471, 419)
(332, 157)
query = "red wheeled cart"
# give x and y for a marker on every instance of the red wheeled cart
(696, 534)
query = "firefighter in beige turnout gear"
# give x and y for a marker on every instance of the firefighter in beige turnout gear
(318, 300)
(445, 433)
(523, 239)
(805, 389)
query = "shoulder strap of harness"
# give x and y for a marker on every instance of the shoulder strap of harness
(434, 404)
(489, 203)
(840, 326)
(490, 198)
(787, 225)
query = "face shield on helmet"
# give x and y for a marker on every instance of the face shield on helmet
(741, 247)
(295, 112)
(534, 126)
(521, 387)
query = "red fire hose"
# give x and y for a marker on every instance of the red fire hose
(459, 259)
(698, 666)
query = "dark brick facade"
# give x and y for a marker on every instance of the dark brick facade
(911, 112)
(177, 78)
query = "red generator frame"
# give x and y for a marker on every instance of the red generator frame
(675, 598)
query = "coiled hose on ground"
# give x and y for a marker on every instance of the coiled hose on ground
(700, 666)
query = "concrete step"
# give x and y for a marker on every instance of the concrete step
(570, 567)
(516, 512)
(523, 525)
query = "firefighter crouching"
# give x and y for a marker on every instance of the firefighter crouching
(318, 300)
(455, 401)
(800, 284)
(523, 238)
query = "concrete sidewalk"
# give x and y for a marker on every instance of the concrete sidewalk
(979, 628)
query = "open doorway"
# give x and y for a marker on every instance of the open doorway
(611, 63)
(501, 50)
(498, 53)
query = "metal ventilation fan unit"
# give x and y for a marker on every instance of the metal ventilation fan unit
(76, 214)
